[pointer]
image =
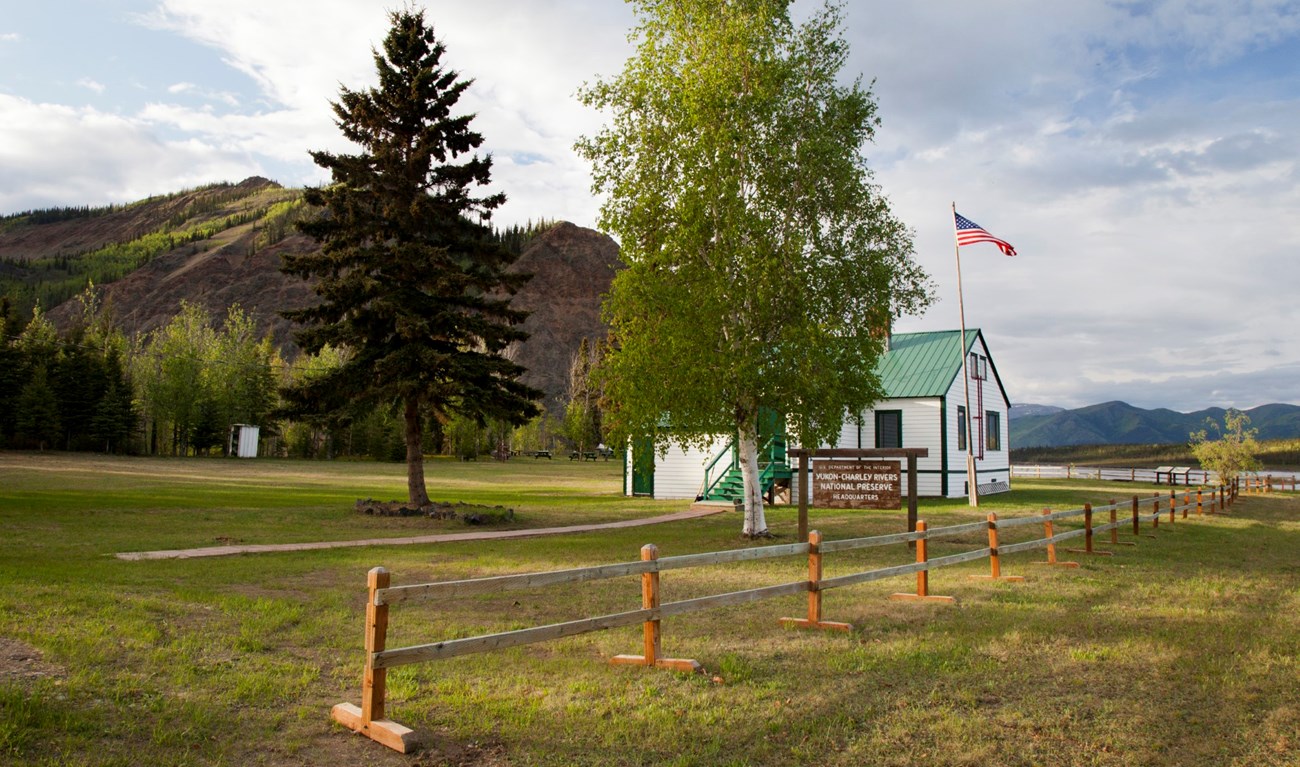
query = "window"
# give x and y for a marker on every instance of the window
(961, 427)
(993, 423)
(889, 428)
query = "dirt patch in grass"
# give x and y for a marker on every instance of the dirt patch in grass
(20, 662)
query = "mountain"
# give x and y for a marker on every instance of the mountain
(222, 244)
(1020, 411)
(572, 268)
(214, 246)
(1121, 423)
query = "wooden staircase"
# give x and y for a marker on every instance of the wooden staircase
(728, 483)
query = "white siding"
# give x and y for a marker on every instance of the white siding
(996, 465)
(680, 473)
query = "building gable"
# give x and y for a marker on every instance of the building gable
(927, 364)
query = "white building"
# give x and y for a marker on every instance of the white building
(924, 406)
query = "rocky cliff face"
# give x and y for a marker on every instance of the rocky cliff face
(572, 268)
(214, 275)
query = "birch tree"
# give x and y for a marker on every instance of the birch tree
(763, 264)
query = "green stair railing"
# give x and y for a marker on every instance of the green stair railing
(775, 467)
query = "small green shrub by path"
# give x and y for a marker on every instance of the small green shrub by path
(1182, 650)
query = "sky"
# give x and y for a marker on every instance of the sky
(1141, 156)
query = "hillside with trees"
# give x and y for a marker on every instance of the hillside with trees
(192, 271)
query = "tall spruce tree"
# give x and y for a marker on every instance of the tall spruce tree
(411, 279)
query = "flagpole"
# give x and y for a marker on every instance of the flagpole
(972, 489)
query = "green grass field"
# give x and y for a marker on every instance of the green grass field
(1181, 650)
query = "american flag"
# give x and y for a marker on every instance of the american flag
(969, 233)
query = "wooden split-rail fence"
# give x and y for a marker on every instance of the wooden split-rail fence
(1171, 475)
(370, 718)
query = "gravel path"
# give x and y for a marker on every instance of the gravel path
(485, 535)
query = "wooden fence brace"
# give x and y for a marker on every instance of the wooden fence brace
(1087, 535)
(922, 576)
(995, 565)
(369, 719)
(1051, 547)
(650, 629)
(814, 619)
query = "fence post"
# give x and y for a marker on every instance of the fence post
(375, 680)
(995, 564)
(1155, 511)
(814, 619)
(1088, 534)
(650, 601)
(650, 628)
(1114, 523)
(1173, 504)
(1187, 502)
(369, 719)
(1051, 547)
(922, 576)
(1200, 509)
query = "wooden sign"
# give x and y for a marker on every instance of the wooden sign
(857, 485)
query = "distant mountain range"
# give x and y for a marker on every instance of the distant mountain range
(1113, 423)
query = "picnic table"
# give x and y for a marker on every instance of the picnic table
(1173, 472)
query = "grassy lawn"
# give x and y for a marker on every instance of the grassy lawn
(1179, 651)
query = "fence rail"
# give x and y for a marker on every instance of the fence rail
(369, 719)
(1166, 475)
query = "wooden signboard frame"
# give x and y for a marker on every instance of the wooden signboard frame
(857, 485)
(805, 475)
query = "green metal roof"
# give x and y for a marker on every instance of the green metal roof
(923, 364)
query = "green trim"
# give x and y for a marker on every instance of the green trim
(943, 443)
(876, 425)
(963, 432)
(989, 432)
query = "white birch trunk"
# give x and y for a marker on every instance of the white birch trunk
(755, 521)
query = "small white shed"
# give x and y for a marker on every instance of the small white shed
(243, 440)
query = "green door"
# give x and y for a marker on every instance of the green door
(643, 466)
(771, 424)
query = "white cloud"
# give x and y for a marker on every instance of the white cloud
(9, 37)
(1139, 155)
(90, 85)
(58, 155)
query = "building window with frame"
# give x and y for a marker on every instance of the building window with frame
(993, 421)
(889, 428)
(961, 427)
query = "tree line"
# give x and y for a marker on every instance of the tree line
(178, 391)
